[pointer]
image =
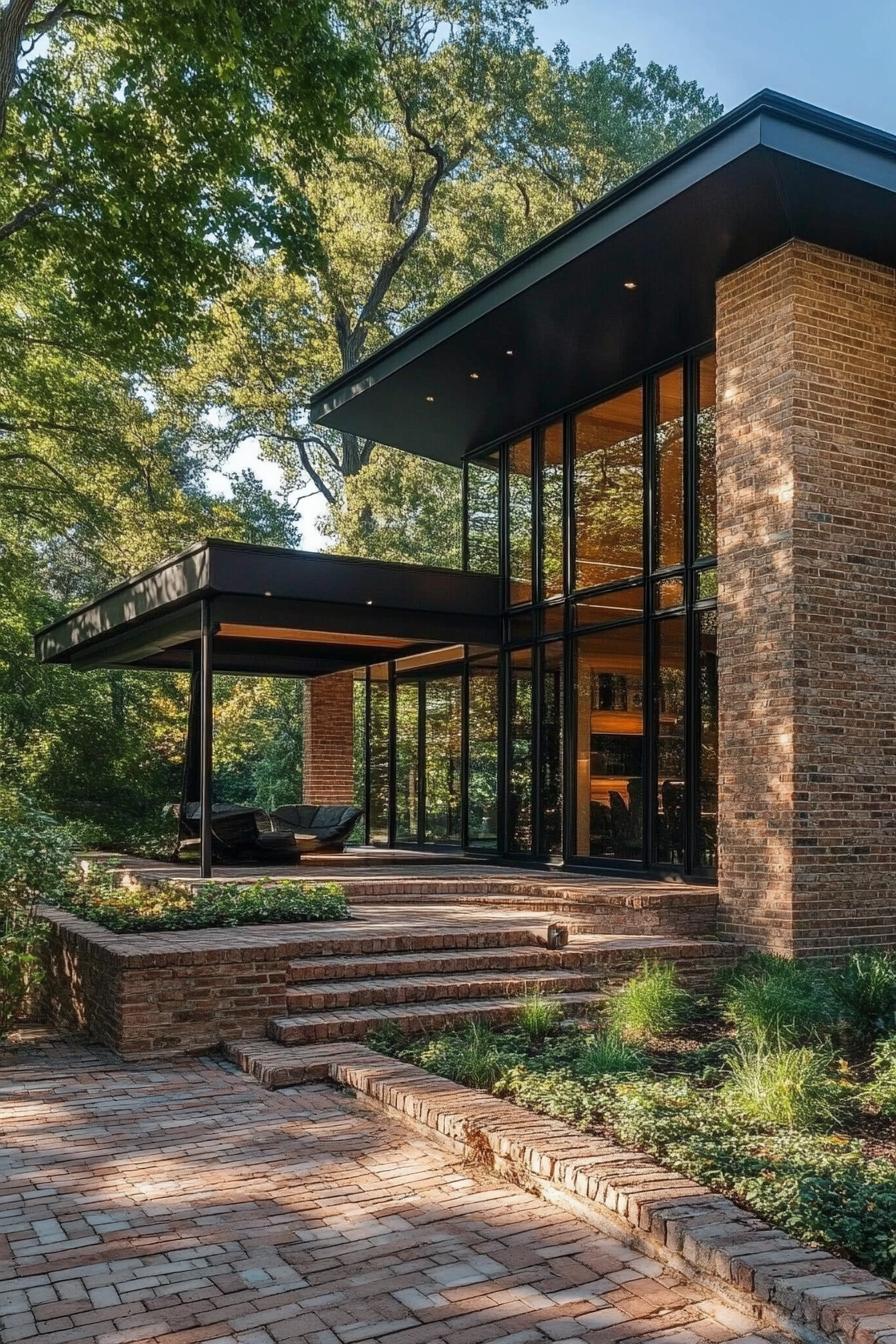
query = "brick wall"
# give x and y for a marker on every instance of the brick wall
(327, 768)
(148, 995)
(807, 601)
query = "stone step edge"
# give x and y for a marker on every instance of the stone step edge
(815, 1295)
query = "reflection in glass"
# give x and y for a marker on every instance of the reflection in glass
(609, 742)
(407, 743)
(483, 506)
(668, 593)
(378, 736)
(519, 799)
(707, 584)
(669, 694)
(552, 510)
(604, 608)
(670, 468)
(553, 619)
(519, 519)
(609, 491)
(552, 749)
(707, 782)
(442, 755)
(706, 456)
(482, 755)
(359, 753)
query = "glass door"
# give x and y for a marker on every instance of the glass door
(442, 757)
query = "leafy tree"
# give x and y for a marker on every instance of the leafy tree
(145, 146)
(479, 142)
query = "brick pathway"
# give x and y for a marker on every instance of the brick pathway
(181, 1203)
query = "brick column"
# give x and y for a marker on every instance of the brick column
(327, 754)
(807, 601)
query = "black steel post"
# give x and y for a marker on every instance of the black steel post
(205, 763)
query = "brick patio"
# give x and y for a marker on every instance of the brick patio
(181, 1203)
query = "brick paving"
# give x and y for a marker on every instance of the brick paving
(180, 1202)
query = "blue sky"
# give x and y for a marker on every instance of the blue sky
(839, 55)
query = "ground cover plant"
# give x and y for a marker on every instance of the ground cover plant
(35, 858)
(777, 1089)
(168, 906)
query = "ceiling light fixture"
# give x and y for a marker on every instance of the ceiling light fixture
(508, 352)
(430, 398)
(629, 284)
(474, 376)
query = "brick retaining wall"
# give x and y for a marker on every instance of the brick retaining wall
(144, 996)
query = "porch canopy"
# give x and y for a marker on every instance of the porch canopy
(626, 283)
(224, 606)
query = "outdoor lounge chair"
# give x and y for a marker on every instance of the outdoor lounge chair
(239, 834)
(326, 828)
(250, 835)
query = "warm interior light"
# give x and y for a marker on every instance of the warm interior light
(629, 284)
(474, 375)
(430, 398)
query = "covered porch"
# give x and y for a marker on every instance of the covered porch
(226, 607)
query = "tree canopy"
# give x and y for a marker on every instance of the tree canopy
(207, 210)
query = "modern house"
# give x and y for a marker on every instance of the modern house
(673, 643)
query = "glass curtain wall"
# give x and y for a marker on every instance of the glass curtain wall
(603, 523)
(483, 718)
(379, 771)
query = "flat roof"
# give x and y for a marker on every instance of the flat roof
(276, 612)
(768, 171)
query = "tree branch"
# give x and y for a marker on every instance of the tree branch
(28, 213)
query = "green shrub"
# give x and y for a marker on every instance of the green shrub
(791, 1088)
(881, 1091)
(605, 1053)
(865, 989)
(538, 1015)
(820, 1189)
(473, 1055)
(35, 865)
(773, 1002)
(169, 906)
(555, 1093)
(651, 1003)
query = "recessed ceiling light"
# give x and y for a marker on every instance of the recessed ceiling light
(370, 601)
(430, 398)
(508, 352)
(474, 375)
(629, 284)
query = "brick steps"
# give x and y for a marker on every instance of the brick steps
(354, 1024)
(427, 961)
(314, 996)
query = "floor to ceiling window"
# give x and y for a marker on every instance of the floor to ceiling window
(605, 520)
(483, 719)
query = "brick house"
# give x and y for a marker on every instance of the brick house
(670, 647)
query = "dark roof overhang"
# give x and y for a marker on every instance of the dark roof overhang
(771, 170)
(275, 612)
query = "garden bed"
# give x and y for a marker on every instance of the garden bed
(158, 907)
(779, 1092)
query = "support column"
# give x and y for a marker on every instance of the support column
(206, 732)
(327, 772)
(806, 433)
